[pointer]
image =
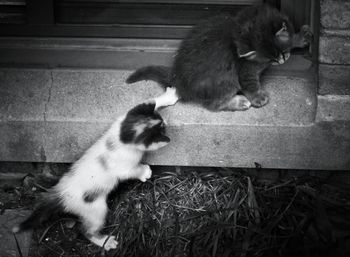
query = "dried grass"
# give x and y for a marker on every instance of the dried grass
(219, 212)
(208, 214)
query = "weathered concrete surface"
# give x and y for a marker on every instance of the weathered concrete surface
(80, 105)
(23, 94)
(8, 246)
(335, 14)
(102, 95)
(22, 140)
(333, 108)
(334, 79)
(334, 47)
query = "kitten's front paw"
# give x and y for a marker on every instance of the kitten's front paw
(110, 244)
(146, 173)
(260, 98)
(241, 103)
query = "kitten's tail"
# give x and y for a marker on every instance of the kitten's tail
(159, 74)
(48, 206)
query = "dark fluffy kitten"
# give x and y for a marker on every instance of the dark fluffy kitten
(219, 64)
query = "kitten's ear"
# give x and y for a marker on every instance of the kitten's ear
(283, 34)
(147, 108)
(244, 51)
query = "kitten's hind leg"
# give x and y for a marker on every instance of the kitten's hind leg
(93, 217)
(170, 97)
(237, 103)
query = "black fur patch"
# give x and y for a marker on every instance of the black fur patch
(91, 196)
(103, 161)
(151, 135)
(139, 113)
(110, 144)
(146, 109)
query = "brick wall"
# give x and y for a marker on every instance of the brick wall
(334, 47)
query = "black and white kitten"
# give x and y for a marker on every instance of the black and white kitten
(218, 65)
(115, 157)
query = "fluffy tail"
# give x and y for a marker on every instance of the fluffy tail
(49, 206)
(159, 74)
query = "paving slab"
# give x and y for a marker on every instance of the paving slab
(8, 246)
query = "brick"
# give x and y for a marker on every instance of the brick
(333, 108)
(335, 14)
(334, 79)
(334, 47)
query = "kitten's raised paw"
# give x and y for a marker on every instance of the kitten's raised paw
(146, 173)
(260, 98)
(111, 243)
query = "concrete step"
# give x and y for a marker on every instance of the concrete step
(53, 115)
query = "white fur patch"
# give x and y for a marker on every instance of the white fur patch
(250, 55)
(156, 146)
(108, 242)
(153, 122)
(281, 60)
(139, 128)
(170, 97)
